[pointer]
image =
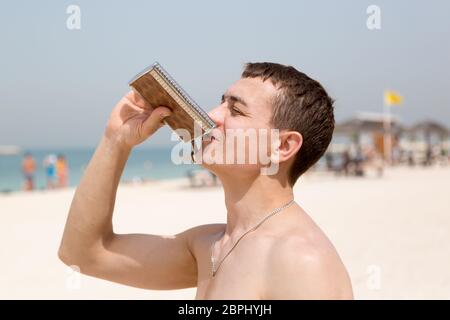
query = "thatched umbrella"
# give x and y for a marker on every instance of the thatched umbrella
(365, 122)
(429, 127)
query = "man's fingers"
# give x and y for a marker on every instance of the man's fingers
(134, 97)
(155, 120)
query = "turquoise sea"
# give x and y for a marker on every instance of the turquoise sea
(150, 163)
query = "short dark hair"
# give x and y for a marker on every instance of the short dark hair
(302, 105)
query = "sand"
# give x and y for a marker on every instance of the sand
(393, 233)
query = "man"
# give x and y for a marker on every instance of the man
(62, 171)
(49, 164)
(28, 170)
(268, 249)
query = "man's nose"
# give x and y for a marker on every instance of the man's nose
(217, 115)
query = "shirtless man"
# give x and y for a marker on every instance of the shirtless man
(286, 257)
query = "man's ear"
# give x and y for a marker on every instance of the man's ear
(290, 143)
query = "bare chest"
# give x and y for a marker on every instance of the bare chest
(240, 276)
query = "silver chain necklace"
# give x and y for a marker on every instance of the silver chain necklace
(214, 267)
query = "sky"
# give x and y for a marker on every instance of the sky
(58, 86)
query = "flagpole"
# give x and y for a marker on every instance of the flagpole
(387, 132)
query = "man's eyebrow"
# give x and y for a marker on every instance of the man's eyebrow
(233, 98)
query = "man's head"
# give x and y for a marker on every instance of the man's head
(274, 96)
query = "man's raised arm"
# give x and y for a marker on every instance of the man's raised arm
(89, 242)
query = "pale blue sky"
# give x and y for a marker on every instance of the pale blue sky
(57, 87)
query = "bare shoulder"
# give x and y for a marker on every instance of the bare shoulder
(304, 264)
(200, 235)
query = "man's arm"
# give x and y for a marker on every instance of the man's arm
(89, 242)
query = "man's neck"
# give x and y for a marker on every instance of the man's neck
(248, 201)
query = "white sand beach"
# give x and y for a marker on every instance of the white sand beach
(393, 233)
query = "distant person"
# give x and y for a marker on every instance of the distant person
(444, 156)
(375, 159)
(346, 162)
(50, 170)
(28, 170)
(329, 161)
(62, 171)
(428, 156)
(411, 161)
(359, 162)
(378, 163)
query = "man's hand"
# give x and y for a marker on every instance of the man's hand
(133, 120)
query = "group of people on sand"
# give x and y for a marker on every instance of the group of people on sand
(355, 162)
(56, 171)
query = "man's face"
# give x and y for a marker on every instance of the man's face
(244, 113)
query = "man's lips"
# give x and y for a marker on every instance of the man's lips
(212, 135)
(209, 139)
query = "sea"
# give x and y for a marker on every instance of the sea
(149, 163)
(152, 163)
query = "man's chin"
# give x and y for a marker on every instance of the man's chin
(213, 167)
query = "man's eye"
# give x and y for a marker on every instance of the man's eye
(235, 111)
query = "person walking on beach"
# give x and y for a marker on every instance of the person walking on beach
(269, 247)
(28, 170)
(346, 162)
(49, 164)
(62, 171)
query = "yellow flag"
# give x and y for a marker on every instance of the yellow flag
(392, 98)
